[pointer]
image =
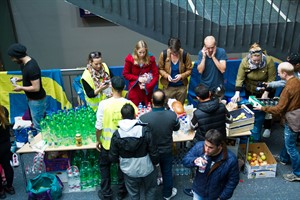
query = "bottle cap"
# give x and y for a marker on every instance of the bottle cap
(78, 135)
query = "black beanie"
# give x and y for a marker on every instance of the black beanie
(17, 50)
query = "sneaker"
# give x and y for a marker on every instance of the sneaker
(278, 159)
(267, 133)
(188, 191)
(291, 177)
(159, 181)
(174, 192)
(15, 160)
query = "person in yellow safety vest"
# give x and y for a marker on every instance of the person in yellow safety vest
(108, 116)
(96, 80)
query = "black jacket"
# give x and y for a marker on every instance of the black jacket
(132, 145)
(209, 115)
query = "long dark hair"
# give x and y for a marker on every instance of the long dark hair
(3, 116)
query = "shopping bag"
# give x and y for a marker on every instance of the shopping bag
(22, 134)
(45, 186)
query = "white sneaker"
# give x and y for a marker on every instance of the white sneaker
(15, 160)
(174, 192)
(267, 133)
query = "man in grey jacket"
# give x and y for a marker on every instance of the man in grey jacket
(132, 144)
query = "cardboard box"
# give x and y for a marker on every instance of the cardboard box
(233, 145)
(268, 170)
(240, 125)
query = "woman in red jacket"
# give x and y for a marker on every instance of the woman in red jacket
(142, 73)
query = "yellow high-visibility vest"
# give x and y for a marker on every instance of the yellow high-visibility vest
(93, 102)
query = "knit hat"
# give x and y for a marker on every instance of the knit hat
(17, 50)
(294, 58)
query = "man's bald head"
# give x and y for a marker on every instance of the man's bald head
(158, 98)
(210, 41)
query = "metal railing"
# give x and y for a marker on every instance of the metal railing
(236, 24)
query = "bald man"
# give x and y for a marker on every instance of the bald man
(212, 64)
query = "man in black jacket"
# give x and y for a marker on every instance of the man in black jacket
(162, 123)
(132, 144)
(210, 114)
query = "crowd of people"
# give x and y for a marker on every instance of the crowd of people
(139, 146)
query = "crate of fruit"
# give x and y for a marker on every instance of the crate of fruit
(260, 162)
(243, 120)
(56, 161)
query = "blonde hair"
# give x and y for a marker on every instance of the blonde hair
(141, 44)
(3, 118)
(255, 50)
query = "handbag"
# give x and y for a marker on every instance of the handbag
(292, 118)
(45, 186)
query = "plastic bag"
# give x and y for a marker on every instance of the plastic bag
(45, 186)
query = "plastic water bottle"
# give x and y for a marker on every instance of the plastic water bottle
(140, 107)
(114, 173)
(149, 108)
(30, 138)
(83, 176)
(76, 177)
(202, 165)
(90, 178)
(71, 182)
(97, 175)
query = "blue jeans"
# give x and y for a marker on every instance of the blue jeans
(196, 196)
(258, 124)
(165, 162)
(289, 151)
(37, 111)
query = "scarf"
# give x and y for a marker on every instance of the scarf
(261, 65)
(97, 75)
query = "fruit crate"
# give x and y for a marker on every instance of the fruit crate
(240, 125)
(56, 161)
(268, 170)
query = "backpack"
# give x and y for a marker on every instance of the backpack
(183, 54)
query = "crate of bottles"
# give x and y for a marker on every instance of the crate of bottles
(56, 161)
(243, 120)
(269, 102)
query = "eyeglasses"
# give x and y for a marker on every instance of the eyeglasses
(95, 54)
(255, 52)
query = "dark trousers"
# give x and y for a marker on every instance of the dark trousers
(165, 162)
(5, 163)
(105, 165)
(133, 185)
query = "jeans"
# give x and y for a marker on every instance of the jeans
(196, 196)
(133, 185)
(165, 162)
(37, 111)
(289, 151)
(258, 123)
(105, 165)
